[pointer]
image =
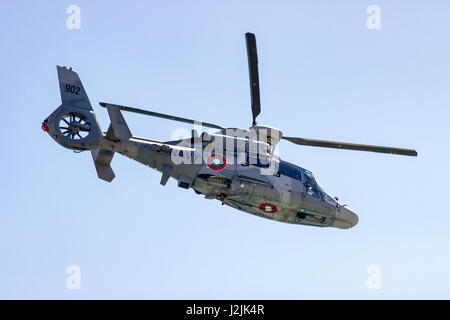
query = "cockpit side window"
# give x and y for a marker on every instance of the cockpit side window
(308, 177)
(310, 184)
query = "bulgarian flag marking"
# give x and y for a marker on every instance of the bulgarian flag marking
(216, 162)
(268, 207)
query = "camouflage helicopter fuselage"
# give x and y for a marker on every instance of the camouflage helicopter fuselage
(259, 182)
(237, 167)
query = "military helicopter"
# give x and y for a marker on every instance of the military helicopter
(238, 167)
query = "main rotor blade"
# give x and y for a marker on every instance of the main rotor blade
(351, 146)
(252, 56)
(162, 115)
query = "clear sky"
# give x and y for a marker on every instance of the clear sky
(323, 75)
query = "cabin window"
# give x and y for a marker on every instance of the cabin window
(256, 161)
(287, 169)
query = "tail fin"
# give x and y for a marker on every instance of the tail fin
(118, 130)
(72, 90)
(73, 124)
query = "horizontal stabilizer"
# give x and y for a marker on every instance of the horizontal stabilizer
(102, 160)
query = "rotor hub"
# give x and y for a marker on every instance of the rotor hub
(267, 134)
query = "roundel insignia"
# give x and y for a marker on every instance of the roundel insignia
(216, 162)
(268, 207)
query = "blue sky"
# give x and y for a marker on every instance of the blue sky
(323, 75)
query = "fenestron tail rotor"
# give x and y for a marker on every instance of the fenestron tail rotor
(74, 126)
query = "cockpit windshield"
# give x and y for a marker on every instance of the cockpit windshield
(329, 199)
(311, 186)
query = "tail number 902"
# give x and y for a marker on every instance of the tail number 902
(72, 89)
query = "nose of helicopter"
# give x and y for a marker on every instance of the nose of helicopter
(345, 218)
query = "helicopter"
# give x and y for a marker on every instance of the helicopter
(238, 167)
